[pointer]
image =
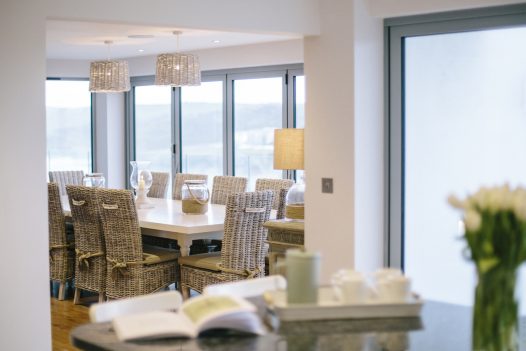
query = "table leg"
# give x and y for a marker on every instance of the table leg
(184, 245)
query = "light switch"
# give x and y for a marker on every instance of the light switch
(326, 185)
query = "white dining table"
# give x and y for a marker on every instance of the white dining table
(167, 220)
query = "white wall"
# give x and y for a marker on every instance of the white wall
(24, 270)
(329, 137)
(269, 16)
(110, 140)
(369, 140)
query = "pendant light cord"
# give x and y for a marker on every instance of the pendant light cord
(108, 43)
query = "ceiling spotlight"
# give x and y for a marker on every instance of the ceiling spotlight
(216, 41)
(141, 50)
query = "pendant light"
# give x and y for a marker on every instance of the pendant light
(110, 76)
(177, 69)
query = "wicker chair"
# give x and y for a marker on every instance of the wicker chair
(66, 177)
(131, 269)
(227, 185)
(280, 214)
(243, 253)
(90, 257)
(159, 185)
(275, 185)
(179, 180)
(61, 254)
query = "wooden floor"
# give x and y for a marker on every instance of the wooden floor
(64, 317)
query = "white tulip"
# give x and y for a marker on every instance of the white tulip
(480, 199)
(456, 202)
(519, 203)
(472, 220)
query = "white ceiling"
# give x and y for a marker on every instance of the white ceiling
(85, 40)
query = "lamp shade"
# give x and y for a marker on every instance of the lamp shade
(109, 77)
(288, 148)
(178, 70)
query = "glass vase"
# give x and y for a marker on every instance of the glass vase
(141, 181)
(495, 312)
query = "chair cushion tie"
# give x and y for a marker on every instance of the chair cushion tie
(121, 268)
(249, 274)
(83, 258)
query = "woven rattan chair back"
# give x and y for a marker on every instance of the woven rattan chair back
(179, 180)
(127, 273)
(275, 185)
(159, 185)
(66, 177)
(120, 225)
(227, 185)
(282, 196)
(243, 247)
(61, 257)
(90, 268)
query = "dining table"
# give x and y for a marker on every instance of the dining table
(165, 219)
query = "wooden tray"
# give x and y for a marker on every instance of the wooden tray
(329, 308)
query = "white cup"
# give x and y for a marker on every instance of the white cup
(353, 290)
(386, 273)
(400, 288)
(394, 289)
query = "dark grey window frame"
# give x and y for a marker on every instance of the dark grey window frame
(228, 76)
(93, 120)
(396, 30)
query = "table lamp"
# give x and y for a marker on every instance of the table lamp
(288, 155)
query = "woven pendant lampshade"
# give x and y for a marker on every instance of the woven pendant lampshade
(178, 69)
(110, 76)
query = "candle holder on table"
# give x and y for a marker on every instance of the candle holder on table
(141, 181)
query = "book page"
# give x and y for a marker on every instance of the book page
(153, 325)
(221, 311)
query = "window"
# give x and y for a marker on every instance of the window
(68, 125)
(299, 101)
(225, 126)
(258, 110)
(457, 108)
(202, 112)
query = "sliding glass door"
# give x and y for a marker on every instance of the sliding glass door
(458, 122)
(202, 132)
(153, 126)
(258, 110)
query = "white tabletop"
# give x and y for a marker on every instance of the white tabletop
(167, 220)
(167, 215)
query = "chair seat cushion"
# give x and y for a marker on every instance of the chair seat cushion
(154, 254)
(205, 261)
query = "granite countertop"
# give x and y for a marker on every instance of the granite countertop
(441, 327)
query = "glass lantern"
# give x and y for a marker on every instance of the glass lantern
(295, 202)
(194, 196)
(141, 181)
(95, 180)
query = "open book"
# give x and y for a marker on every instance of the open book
(195, 316)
